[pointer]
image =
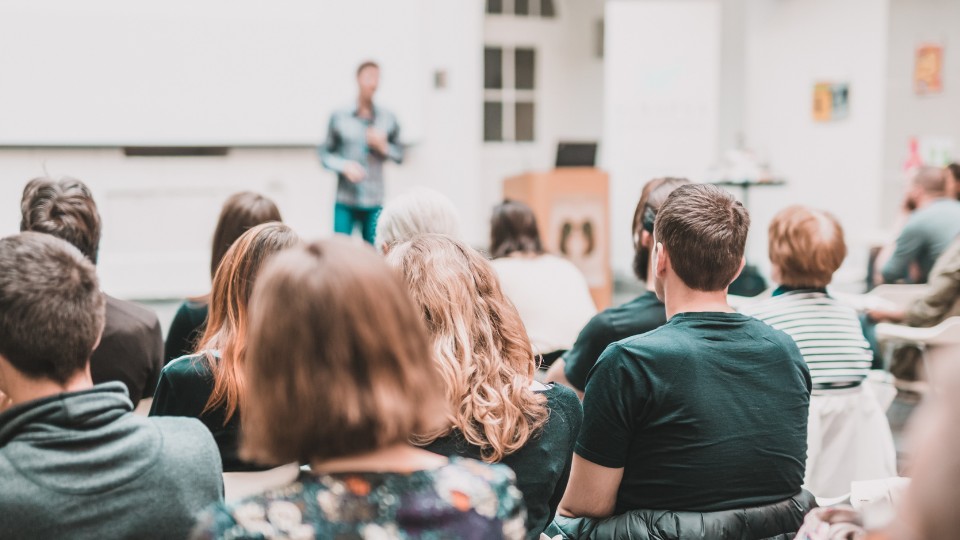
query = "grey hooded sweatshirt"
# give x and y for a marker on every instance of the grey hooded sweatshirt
(82, 465)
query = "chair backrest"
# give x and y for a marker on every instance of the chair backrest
(237, 485)
(902, 296)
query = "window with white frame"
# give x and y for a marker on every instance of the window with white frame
(523, 8)
(509, 86)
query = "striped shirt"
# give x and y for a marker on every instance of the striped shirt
(827, 333)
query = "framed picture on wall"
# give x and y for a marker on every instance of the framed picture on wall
(831, 101)
(928, 69)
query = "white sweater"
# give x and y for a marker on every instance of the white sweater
(552, 297)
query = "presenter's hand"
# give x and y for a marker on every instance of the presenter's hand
(377, 140)
(354, 171)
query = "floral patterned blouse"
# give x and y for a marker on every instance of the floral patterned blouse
(463, 499)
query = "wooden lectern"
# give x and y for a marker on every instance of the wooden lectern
(572, 209)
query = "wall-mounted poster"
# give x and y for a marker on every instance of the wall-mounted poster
(831, 101)
(928, 71)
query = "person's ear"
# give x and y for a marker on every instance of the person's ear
(661, 259)
(646, 239)
(743, 263)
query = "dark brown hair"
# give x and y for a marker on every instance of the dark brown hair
(704, 231)
(64, 208)
(806, 246)
(954, 169)
(513, 229)
(240, 212)
(338, 358)
(51, 307)
(651, 198)
(365, 65)
(226, 330)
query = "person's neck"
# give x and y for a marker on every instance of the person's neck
(681, 299)
(927, 201)
(400, 458)
(365, 106)
(21, 389)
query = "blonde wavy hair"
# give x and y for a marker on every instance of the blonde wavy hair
(480, 345)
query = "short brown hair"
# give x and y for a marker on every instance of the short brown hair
(806, 246)
(513, 229)
(651, 198)
(338, 361)
(704, 230)
(365, 65)
(51, 307)
(932, 180)
(64, 208)
(240, 212)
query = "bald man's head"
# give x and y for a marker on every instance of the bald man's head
(931, 180)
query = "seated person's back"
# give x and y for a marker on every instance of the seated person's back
(75, 461)
(930, 227)
(708, 412)
(131, 348)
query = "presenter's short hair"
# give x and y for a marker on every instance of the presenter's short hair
(806, 246)
(338, 362)
(704, 230)
(51, 307)
(365, 65)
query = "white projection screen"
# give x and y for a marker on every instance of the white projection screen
(200, 72)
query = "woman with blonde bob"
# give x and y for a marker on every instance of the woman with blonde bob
(340, 364)
(498, 413)
(210, 385)
(848, 436)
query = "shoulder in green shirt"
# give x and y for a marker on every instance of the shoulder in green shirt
(706, 413)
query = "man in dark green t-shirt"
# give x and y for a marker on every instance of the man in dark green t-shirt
(642, 314)
(706, 413)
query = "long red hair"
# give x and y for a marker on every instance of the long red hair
(226, 330)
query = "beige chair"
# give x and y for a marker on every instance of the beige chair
(143, 408)
(237, 485)
(883, 297)
(937, 344)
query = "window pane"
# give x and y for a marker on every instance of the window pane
(492, 121)
(494, 6)
(521, 7)
(524, 121)
(547, 9)
(524, 69)
(492, 67)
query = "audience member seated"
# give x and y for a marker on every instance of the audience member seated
(932, 221)
(131, 348)
(940, 302)
(421, 211)
(848, 436)
(550, 293)
(210, 384)
(642, 314)
(706, 415)
(74, 459)
(341, 368)
(240, 212)
(498, 413)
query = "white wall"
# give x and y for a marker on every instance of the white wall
(569, 92)
(792, 44)
(912, 23)
(661, 101)
(159, 213)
